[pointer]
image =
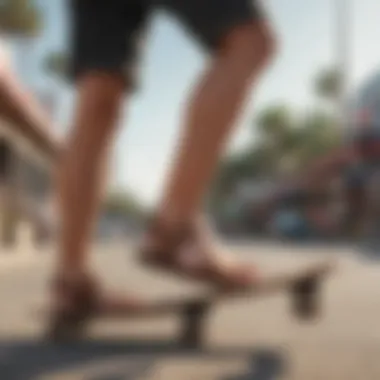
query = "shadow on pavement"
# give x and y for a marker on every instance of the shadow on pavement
(126, 360)
(264, 365)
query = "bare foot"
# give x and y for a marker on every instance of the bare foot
(193, 252)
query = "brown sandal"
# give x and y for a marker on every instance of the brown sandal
(76, 300)
(81, 300)
(178, 255)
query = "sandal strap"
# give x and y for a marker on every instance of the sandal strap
(177, 249)
(80, 294)
(172, 238)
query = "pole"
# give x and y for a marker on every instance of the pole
(343, 23)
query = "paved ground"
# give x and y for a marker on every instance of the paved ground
(255, 339)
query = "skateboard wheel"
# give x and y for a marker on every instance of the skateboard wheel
(193, 323)
(305, 298)
(62, 331)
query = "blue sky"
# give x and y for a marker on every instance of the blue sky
(149, 128)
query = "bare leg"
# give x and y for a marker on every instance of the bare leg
(104, 55)
(81, 171)
(213, 109)
(76, 294)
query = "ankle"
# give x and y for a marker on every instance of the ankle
(167, 227)
(71, 274)
(165, 235)
(168, 222)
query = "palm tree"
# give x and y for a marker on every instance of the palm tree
(274, 121)
(277, 136)
(318, 136)
(328, 84)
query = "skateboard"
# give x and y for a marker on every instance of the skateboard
(302, 285)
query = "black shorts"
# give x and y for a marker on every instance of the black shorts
(107, 34)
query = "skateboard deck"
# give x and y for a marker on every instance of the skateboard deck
(303, 285)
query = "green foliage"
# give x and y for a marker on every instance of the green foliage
(328, 83)
(56, 63)
(120, 202)
(285, 144)
(274, 122)
(278, 136)
(319, 136)
(20, 18)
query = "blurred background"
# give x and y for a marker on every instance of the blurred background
(323, 86)
(306, 106)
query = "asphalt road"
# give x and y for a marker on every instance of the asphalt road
(250, 339)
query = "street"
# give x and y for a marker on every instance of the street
(255, 339)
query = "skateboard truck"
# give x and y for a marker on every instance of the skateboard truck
(305, 296)
(192, 314)
(193, 319)
(63, 331)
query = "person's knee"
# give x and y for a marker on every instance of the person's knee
(101, 95)
(252, 44)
